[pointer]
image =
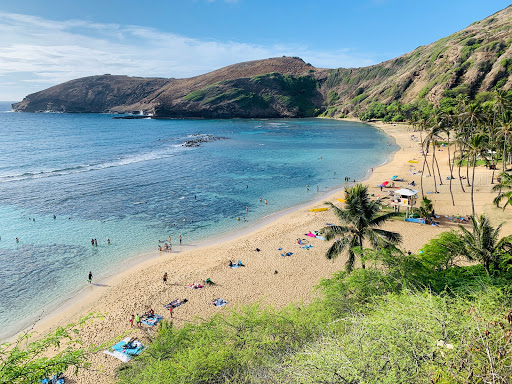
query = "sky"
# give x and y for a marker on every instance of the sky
(44, 43)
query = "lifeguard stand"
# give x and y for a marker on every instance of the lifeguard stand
(405, 198)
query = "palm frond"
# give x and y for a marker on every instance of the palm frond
(337, 247)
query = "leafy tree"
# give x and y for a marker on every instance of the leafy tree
(24, 360)
(483, 243)
(360, 222)
(505, 182)
(440, 253)
(426, 208)
(477, 146)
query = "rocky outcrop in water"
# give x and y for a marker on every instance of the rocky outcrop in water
(201, 139)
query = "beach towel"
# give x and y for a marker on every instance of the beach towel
(219, 302)
(310, 234)
(54, 380)
(307, 246)
(287, 254)
(124, 351)
(152, 320)
(413, 220)
(320, 237)
(195, 286)
(175, 303)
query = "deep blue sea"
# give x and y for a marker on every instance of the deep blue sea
(133, 182)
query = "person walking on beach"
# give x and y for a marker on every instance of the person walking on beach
(132, 317)
(165, 278)
(90, 277)
(170, 310)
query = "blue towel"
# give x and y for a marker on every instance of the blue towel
(220, 302)
(121, 347)
(414, 220)
(152, 320)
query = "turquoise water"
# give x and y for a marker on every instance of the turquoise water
(133, 182)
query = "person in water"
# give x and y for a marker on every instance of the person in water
(90, 277)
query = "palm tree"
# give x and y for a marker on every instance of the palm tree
(504, 134)
(473, 115)
(482, 243)
(505, 182)
(360, 222)
(425, 209)
(476, 147)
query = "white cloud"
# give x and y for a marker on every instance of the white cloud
(39, 51)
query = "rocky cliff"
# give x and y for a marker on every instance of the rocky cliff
(476, 59)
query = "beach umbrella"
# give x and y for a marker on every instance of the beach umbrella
(380, 185)
(394, 177)
(385, 183)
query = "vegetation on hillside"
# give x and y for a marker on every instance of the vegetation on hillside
(405, 319)
(26, 360)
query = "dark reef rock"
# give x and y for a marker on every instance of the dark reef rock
(201, 139)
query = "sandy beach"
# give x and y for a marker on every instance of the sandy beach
(140, 287)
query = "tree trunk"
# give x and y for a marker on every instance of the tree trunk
(434, 173)
(425, 153)
(458, 167)
(450, 166)
(473, 186)
(505, 153)
(438, 172)
(362, 254)
(486, 266)
(467, 172)
(495, 161)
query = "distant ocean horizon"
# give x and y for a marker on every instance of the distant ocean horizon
(68, 178)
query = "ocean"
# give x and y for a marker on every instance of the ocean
(68, 178)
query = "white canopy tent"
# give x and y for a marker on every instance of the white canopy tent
(406, 192)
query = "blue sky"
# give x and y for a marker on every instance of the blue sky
(43, 43)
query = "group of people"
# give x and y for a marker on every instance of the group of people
(137, 319)
(168, 246)
(94, 242)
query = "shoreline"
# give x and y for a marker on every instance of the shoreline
(84, 298)
(141, 287)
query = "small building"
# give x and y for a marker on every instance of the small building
(405, 198)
